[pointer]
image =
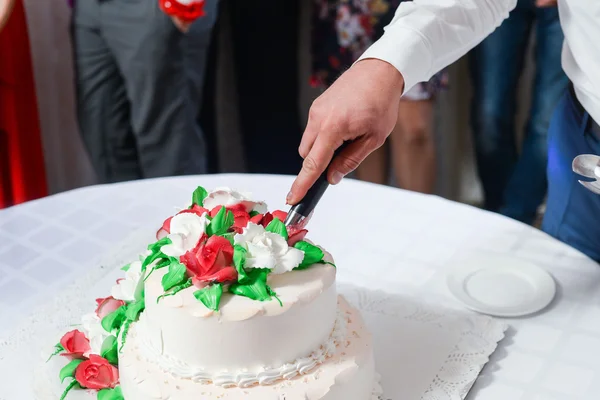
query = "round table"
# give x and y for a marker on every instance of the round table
(382, 238)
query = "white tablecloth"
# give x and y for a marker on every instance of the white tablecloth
(382, 238)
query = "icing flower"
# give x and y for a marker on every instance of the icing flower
(107, 305)
(185, 231)
(268, 250)
(75, 344)
(265, 219)
(210, 261)
(294, 235)
(240, 216)
(97, 373)
(166, 226)
(92, 325)
(229, 198)
(125, 288)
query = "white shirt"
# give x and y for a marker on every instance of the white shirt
(428, 35)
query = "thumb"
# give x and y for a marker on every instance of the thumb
(350, 158)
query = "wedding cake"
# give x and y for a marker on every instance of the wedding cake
(228, 303)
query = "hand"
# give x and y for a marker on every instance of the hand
(181, 24)
(362, 106)
(546, 3)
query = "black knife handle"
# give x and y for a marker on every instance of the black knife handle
(314, 194)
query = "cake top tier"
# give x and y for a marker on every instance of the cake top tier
(223, 240)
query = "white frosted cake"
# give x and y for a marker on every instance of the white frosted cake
(227, 304)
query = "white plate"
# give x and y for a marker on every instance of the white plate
(500, 285)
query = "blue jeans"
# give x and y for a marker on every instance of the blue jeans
(572, 212)
(515, 185)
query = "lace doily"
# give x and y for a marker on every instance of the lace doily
(21, 353)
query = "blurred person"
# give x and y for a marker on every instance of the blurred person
(342, 31)
(426, 36)
(139, 68)
(265, 39)
(515, 185)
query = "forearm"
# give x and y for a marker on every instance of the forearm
(428, 35)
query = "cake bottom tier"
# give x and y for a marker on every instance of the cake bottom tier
(347, 375)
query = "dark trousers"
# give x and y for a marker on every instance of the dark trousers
(515, 185)
(265, 48)
(572, 212)
(139, 84)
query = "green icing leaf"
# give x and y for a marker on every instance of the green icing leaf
(68, 371)
(210, 296)
(58, 348)
(329, 263)
(229, 236)
(254, 213)
(239, 260)
(134, 309)
(114, 320)
(221, 223)
(126, 267)
(255, 287)
(68, 389)
(176, 289)
(198, 196)
(109, 350)
(312, 254)
(111, 394)
(125, 331)
(155, 253)
(272, 293)
(175, 276)
(162, 264)
(277, 226)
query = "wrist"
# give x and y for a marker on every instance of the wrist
(384, 71)
(187, 11)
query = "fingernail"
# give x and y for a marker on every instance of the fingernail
(337, 177)
(289, 197)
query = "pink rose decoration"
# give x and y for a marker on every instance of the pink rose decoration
(75, 344)
(107, 305)
(210, 261)
(97, 373)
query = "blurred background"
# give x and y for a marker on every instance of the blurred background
(39, 34)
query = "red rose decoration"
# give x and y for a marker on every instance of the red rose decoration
(75, 344)
(281, 215)
(257, 219)
(295, 235)
(210, 261)
(187, 12)
(97, 373)
(165, 229)
(240, 216)
(107, 305)
(196, 209)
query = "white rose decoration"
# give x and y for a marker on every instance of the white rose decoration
(228, 197)
(125, 288)
(186, 231)
(94, 332)
(268, 250)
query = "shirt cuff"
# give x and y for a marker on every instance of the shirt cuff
(407, 50)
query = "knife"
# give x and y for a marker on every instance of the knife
(300, 214)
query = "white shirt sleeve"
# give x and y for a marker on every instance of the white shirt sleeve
(426, 36)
